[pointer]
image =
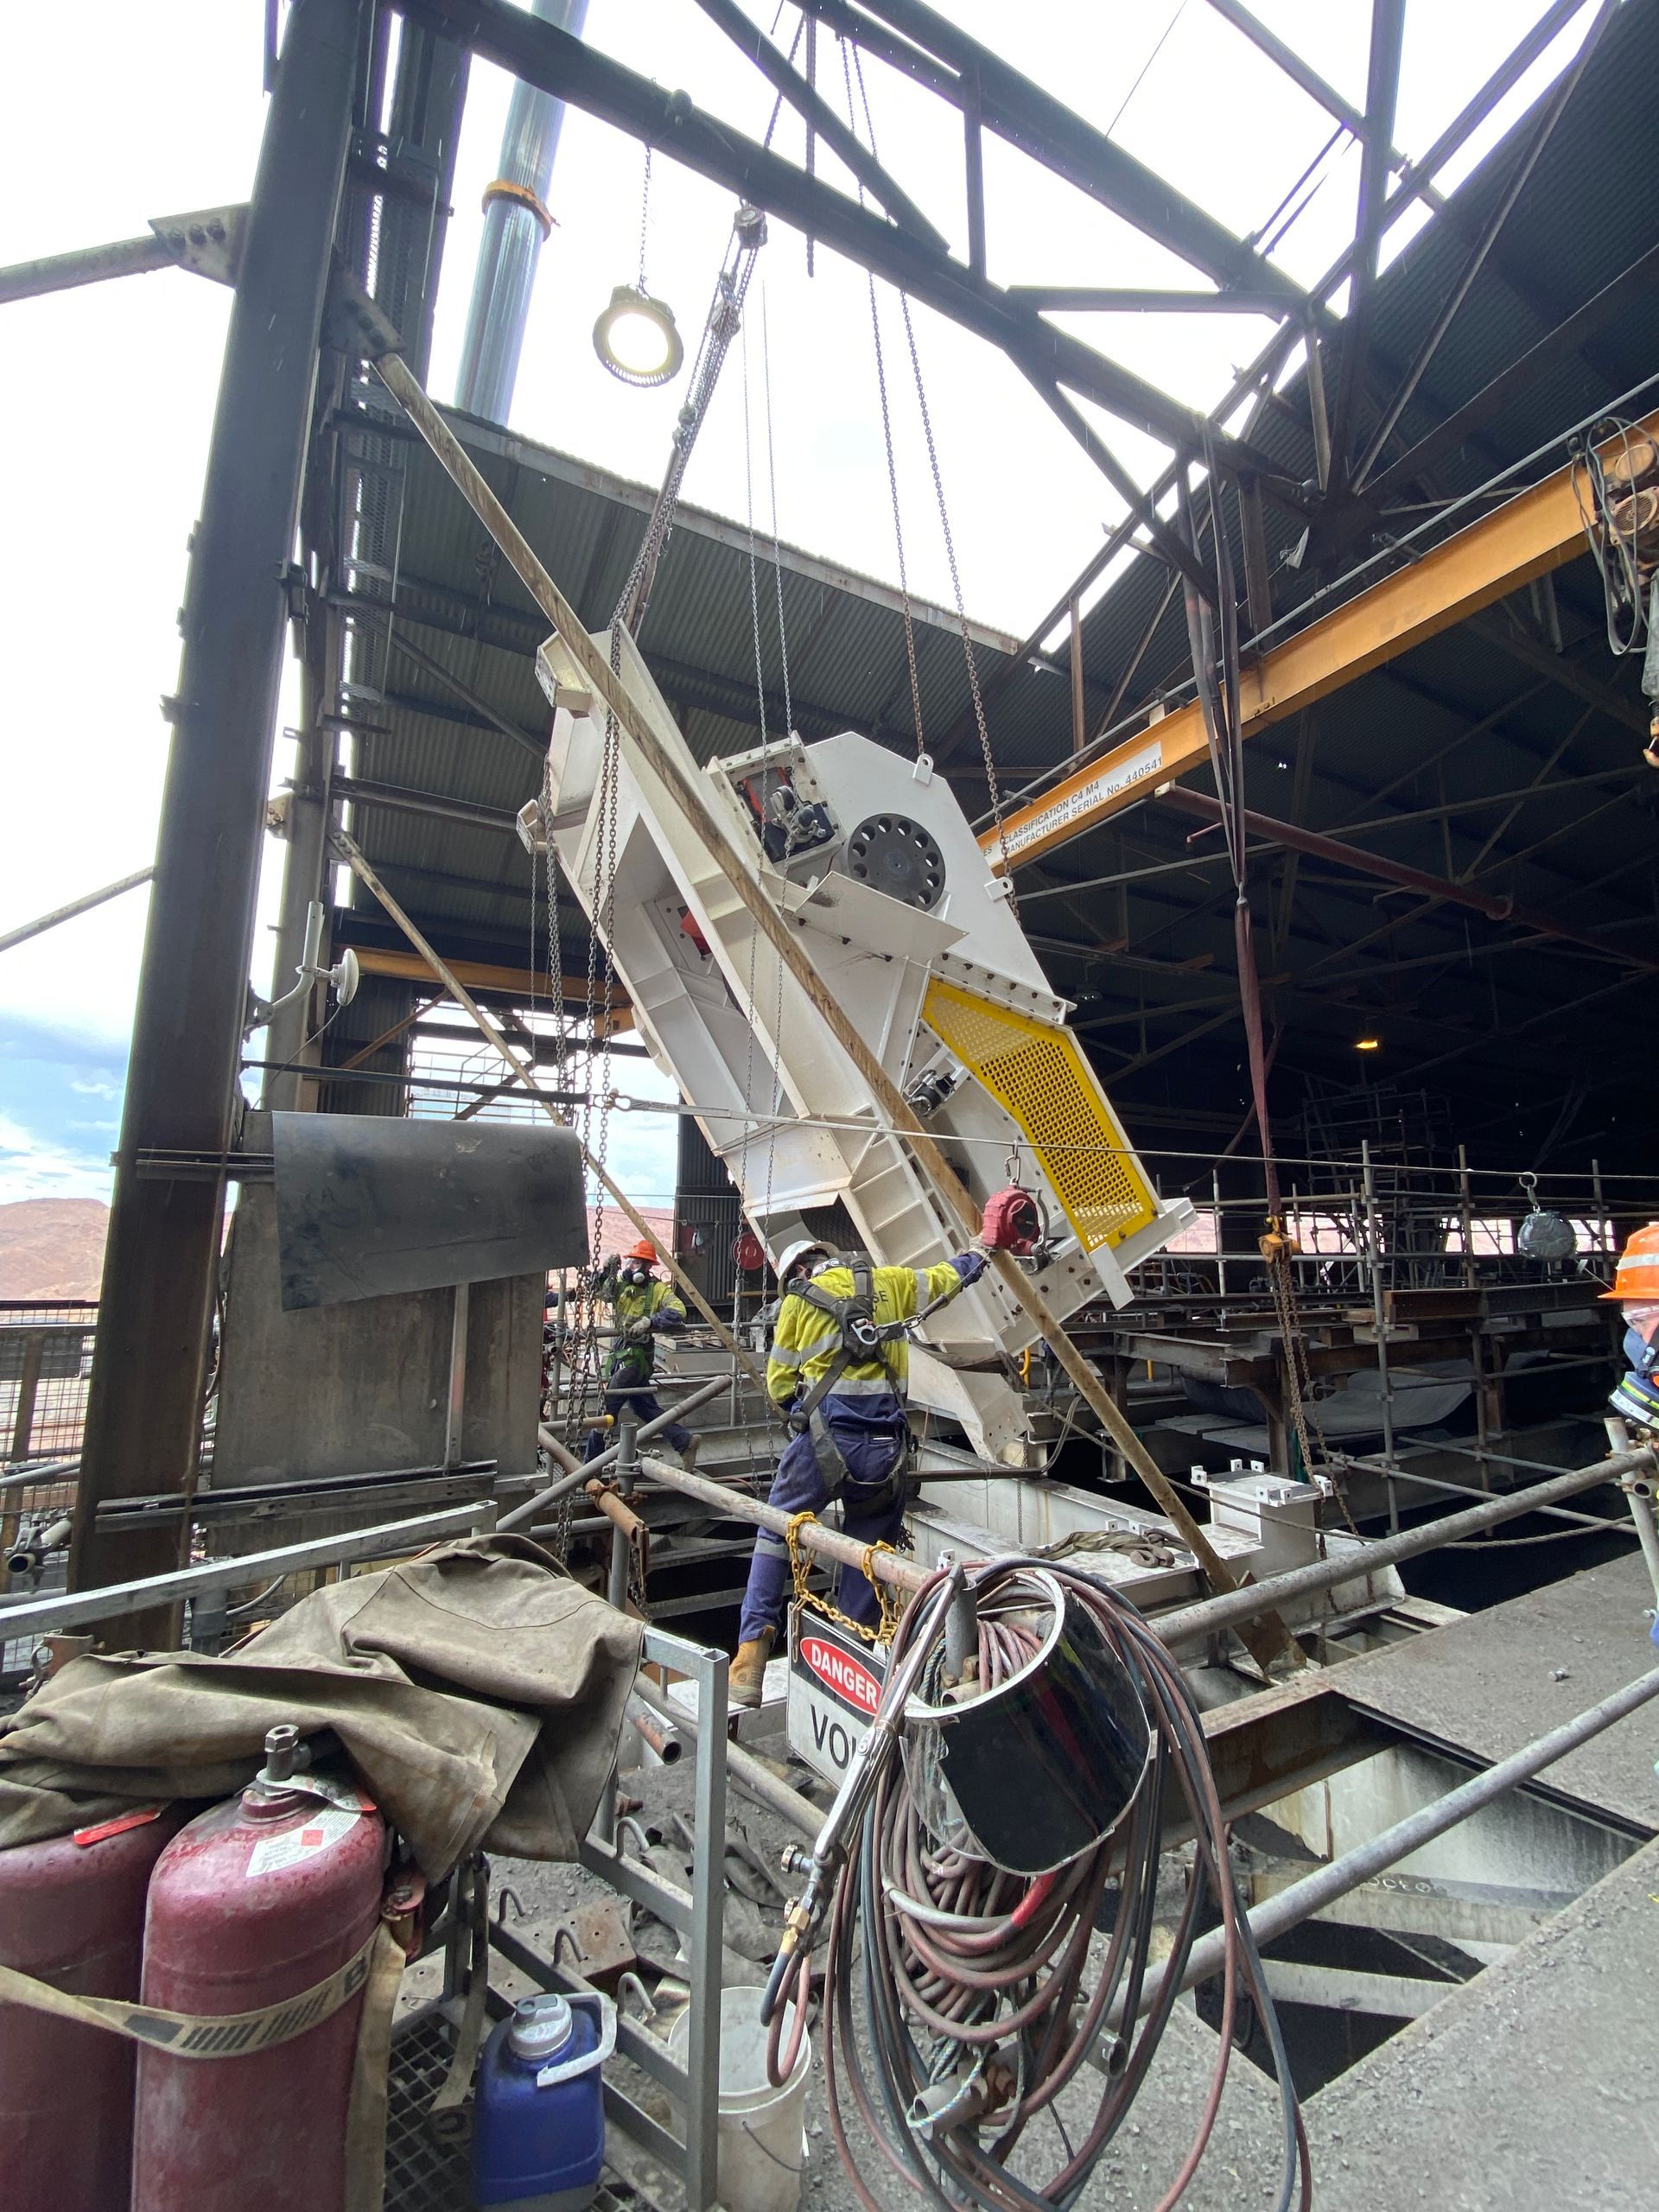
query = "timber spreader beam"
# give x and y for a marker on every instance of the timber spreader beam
(1537, 530)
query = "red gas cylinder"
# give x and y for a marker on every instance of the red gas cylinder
(72, 1912)
(254, 1903)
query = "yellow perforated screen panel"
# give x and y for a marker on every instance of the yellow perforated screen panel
(1038, 1075)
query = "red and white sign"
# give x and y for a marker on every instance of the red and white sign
(835, 1687)
(848, 1677)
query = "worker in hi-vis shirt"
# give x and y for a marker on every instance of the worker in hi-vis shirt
(839, 1368)
(643, 1308)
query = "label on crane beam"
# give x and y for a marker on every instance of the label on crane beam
(834, 1686)
(1040, 821)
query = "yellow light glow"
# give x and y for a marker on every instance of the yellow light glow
(1367, 1044)
(636, 338)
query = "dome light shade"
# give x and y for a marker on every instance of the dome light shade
(637, 339)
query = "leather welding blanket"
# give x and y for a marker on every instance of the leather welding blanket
(478, 1690)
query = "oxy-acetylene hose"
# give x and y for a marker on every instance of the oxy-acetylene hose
(961, 2000)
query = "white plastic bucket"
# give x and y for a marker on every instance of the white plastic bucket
(762, 2146)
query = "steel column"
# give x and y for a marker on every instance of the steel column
(289, 1037)
(143, 1415)
(513, 235)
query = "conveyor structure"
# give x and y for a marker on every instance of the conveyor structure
(872, 861)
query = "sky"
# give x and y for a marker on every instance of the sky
(108, 392)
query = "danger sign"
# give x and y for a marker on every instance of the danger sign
(835, 1687)
(840, 1671)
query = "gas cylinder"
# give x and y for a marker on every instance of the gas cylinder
(539, 2111)
(255, 1902)
(72, 1912)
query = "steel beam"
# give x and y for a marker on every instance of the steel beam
(143, 1415)
(1084, 299)
(585, 77)
(1626, 291)
(821, 117)
(1381, 87)
(1416, 184)
(1530, 535)
(930, 49)
(365, 792)
(477, 975)
(1560, 94)
(1455, 894)
(88, 264)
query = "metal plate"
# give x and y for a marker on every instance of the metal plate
(367, 1206)
(892, 854)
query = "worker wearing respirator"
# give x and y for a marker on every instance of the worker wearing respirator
(839, 1368)
(643, 1308)
(1635, 1287)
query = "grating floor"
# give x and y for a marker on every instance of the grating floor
(422, 2173)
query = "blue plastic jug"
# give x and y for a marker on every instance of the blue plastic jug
(538, 2118)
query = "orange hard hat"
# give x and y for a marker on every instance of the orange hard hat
(1637, 1280)
(645, 1249)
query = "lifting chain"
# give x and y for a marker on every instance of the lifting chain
(975, 695)
(887, 1597)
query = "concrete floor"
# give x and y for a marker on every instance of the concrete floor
(1530, 2089)
(1496, 1681)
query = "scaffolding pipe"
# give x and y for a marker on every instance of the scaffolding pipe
(813, 1536)
(1212, 1615)
(1276, 1915)
(83, 905)
(515, 223)
(577, 1471)
(751, 1776)
(88, 264)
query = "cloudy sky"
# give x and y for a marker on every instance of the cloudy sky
(110, 114)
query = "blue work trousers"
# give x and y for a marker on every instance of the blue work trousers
(871, 1443)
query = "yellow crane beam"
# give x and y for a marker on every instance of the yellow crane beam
(1527, 536)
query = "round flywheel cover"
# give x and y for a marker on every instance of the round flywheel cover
(890, 853)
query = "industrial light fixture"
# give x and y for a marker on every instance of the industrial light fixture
(637, 339)
(1367, 1044)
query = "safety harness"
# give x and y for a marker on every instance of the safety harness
(862, 1338)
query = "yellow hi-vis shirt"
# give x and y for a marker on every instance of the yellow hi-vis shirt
(643, 1302)
(806, 1341)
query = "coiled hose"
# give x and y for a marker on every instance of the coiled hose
(978, 1994)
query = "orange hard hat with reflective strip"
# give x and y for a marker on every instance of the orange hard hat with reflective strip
(645, 1249)
(1636, 1281)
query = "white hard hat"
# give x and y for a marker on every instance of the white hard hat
(791, 1255)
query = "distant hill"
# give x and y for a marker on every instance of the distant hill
(51, 1248)
(617, 1232)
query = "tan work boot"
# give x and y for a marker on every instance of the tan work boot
(748, 1675)
(689, 1453)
